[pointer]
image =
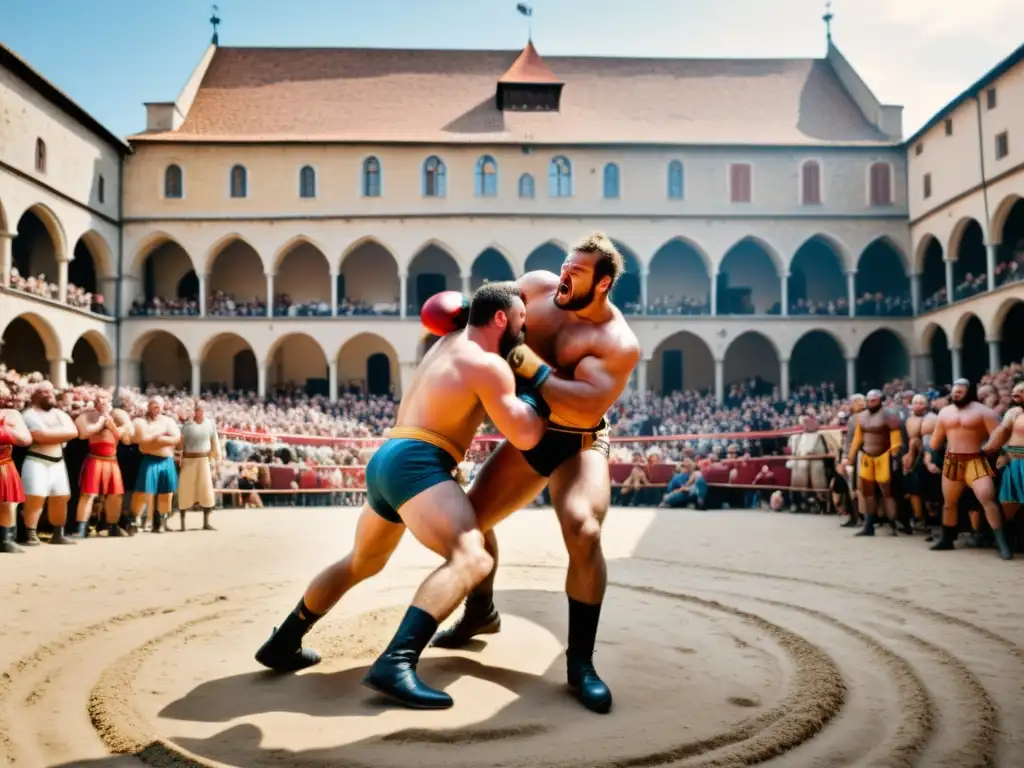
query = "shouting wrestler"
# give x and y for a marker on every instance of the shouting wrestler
(103, 428)
(157, 436)
(410, 483)
(200, 449)
(966, 424)
(878, 437)
(914, 470)
(12, 432)
(44, 473)
(572, 323)
(1010, 437)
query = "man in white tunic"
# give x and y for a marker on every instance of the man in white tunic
(809, 474)
(200, 450)
(44, 473)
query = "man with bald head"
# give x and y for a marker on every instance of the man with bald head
(157, 436)
(878, 438)
(44, 473)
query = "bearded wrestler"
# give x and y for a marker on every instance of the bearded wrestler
(878, 437)
(12, 432)
(44, 473)
(965, 425)
(849, 465)
(200, 451)
(103, 428)
(591, 353)
(914, 470)
(157, 436)
(1009, 436)
(410, 483)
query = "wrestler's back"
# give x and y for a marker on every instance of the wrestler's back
(439, 398)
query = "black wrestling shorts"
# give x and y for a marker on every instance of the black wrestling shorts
(561, 443)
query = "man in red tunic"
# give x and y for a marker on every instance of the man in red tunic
(12, 432)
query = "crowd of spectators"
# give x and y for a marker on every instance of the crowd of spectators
(223, 304)
(39, 286)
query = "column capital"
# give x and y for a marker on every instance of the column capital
(783, 361)
(851, 272)
(851, 358)
(403, 275)
(785, 275)
(645, 271)
(994, 339)
(955, 347)
(7, 235)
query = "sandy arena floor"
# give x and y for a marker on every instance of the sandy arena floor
(728, 639)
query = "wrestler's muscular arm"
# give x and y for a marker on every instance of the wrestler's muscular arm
(1002, 432)
(13, 430)
(493, 382)
(88, 429)
(171, 433)
(56, 435)
(939, 433)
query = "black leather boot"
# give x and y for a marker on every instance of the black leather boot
(1002, 546)
(947, 540)
(283, 652)
(394, 673)
(869, 526)
(480, 617)
(583, 679)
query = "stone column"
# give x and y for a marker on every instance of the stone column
(62, 281)
(954, 353)
(991, 251)
(466, 283)
(949, 281)
(851, 291)
(59, 372)
(332, 381)
(108, 376)
(197, 377)
(785, 294)
(641, 376)
(784, 377)
(403, 300)
(131, 372)
(719, 380)
(993, 355)
(851, 376)
(334, 294)
(6, 258)
(714, 294)
(915, 294)
(261, 383)
(270, 295)
(645, 274)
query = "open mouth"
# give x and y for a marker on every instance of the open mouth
(563, 289)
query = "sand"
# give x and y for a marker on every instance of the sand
(728, 639)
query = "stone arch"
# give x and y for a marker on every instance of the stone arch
(38, 246)
(626, 293)
(967, 244)
(368, 281)
(1006, 323)
(234, 268)
(302, 274)
(547, 257)
(300, 363)
(936, 344)
(961, 325)
(933, 273)
(882, 357)
(28, 343)
(368, 364)
(973, 347)
(997, 227)
(817, 275)
(682, 361)
(433, 269)
(101, 255)
(748, 279)
(881, 269)
(679, 279)
(492, 265)
(4, 227)
(1010, 220)
(91, 357)
(228, 361)
(753, 356)
(819, 356)
(164, 360)
(166, 271)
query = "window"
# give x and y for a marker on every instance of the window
(990, 97)
(239, 181)
(739, 183)
(307, 182)
(949, 126)
(927, 185)
(675, 180)
(40, 156)
(371, 177)
(560, 177)
(918, 148)
(881, 184)
(173, 182)
(486, 177)
(526, 186)
(811, 183)
(433, 177)
(1002, 145)
(101, 191)
(611, 181)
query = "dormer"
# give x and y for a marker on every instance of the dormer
(529, 85)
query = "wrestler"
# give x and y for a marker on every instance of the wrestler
(914, 469)
(12, 432)
(157, 436)
(410, 483)
(200, 450)
(877, 436)
(850, 467)
(572, 323)
(966, 424)
(1009, 436)
(103, 428)
(43, 472)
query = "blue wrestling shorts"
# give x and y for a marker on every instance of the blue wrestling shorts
(1011, 490)
(157, 475)
(409, 462)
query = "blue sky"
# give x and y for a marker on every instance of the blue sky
(113, 55)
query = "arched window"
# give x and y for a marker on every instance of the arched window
(611, 181)
(433, 177)
(371, 177)
(307, 182)
(486, 177)
(560, 177)
(675, 180)
(881, 184)
(40, 156)
(239, 181)
(526, 186)
(174, 186)
(811, 183)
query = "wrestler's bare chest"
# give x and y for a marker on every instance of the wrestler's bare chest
(967, 419)
(557, 337)
(874, 423)
(914, 427)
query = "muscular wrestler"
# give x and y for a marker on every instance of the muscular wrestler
(410, 483)
(12, 432)
(914, 469)
(200, 449)
(572, 323)
(44, 473)
(856, 406)
(877, 436)
(103, 428)
(966, 424)
(1009, 436)
(157, 436)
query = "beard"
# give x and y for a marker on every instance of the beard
(510, 341)
(570, 303)
(874, 408)
(964, 401)
(45, 405)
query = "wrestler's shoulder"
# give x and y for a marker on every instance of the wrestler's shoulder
(537, 282)
(617, 337)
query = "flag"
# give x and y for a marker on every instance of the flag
(524, 9)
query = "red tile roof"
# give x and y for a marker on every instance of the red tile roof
(448, 96)
(529, 69)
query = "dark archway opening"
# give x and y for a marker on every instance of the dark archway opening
(882, 359)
